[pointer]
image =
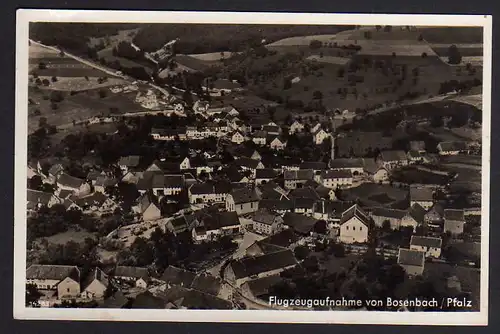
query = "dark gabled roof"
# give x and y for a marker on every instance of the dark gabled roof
(202, 188)
(411, 257)
(146, 200)
(334, 208)
(130, 161)
(426, 241)
(355, 211)
(225, 84)
(336, 174)
(194, 299)
(247, 162)
(52, 272)
(56, 169)
(207, 283)
(35, 196)
(417, 212)
(249, 266)
(261, 286)
(117, 300)
(259, 134)
(300, 223)
(315, 165)
(303, 174)
(167, 131)
(219, 220)
(304, 203)
(146, 300)
(176, 276)
(96, 198)
(417, 145)
(70, 181)
(93, 175)
(64, 194)
(244, 195)
(105, 181)
(264, 216)
(133, 272)
(95, 274)
(346, 163)
(174, 181)
(437, 208)
(453, 214)
(414, 154)
(305, 192)
(393, 155)
(388, 213)
(453, 146)
(233, 174)
(276, 204)
(265, 173)
(421, 194)
(284, 239)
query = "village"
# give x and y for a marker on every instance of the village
(216, 203)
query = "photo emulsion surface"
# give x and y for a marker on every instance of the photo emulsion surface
(329, 168)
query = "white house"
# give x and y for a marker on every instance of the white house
(429, 245)
(65, 280)
(95, 285)
(354, 225)
(208, 193)
(237, 138)
(78, 186)
(451, 147)
(320, 135)
(136, 276)
(277, 144)
(267, 223)
(412, 261)
(421, 195)
(296, 127)
(392, 159)
(381, 175)
(336, 178)
(243, 201)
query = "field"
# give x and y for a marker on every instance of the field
(79, 84)
(412, 175)
(452, 35)
(212, 56)
(371, 194)
(113, 40)
(329, 59)
(107, 55)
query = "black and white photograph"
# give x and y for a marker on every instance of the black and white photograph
(332, 168)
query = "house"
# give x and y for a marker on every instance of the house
(451, 147)
(55, 170)
(412, 261)
(418, 146)
(174, 276)
(164, 185)
(79, 187)
(414, 157)
(393, 216)
(319, 136)
(301, 224)
(259, 137)
(296, 127)
(207, 283)
(381, 175)
(146, 300)
(221, 87)
(148, 207)
(421, 195)
(429, 245)
(260, 288)
(264, 175)
(36, 199)
(178, 225)
(392, 159)
(285, 239)
(209, 192)
(104, 181)
(266, 222)
(214, 225)
(165, 134)
(237, 137)
(248, 268)
(356, 165)
(297, 178)
(315, 128)
(330, 210)
(414, 217)
(243, 201)
(65, 280)
(128, 163)
(435, 214)
(95, 285)
(304, 205)
(454, 221)
(276, 205)
(247, 164)
(200, 106)
(136, 276)
(97, 203)
(336, 179)
(277, 144)
(354, 225)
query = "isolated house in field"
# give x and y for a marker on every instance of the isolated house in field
(297, 178)
(36, 199)
(135, 276)
(79, 187)
(393, 216)
(422, 196)
(392, 159)
(354, 225)
(248, 268)
(243, 201)
(265, 222)
(412, 261)
(95, 285)
(454, 221)
(148, 207)
(334, 179)
(128, 163)
(429, 245)
(65, 280)
(264, 175)
(451, 147)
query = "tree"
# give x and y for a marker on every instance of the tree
(454, 56)
(32, 296)
(315, 44)
(42, 66)
(54, 79)
(424, 54)
(45, 82)
(301, 252)
(386, 225)
(437, 121)
(56, 96)
(102, 93)
(317, 95)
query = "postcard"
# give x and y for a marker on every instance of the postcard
(252, 167)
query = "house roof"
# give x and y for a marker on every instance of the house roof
(52, 272)
(70, 181)
(225, 84)
(64, 194)
(417, 145)
(56, 169)
(417, 212)
(207, 283)
(334, 208)
(96, 198)
(264, 216)
(453, 146)
(414, 154)
(421, 194)
(177, 276)
(284, 238)
(388, 213)
(336, 174)
(95, 274)
(133, 272)
(355, 211)
(261, 286)
(300, 223)
(117, 300)
(174, 181)
(250, 266)
(393, 155)
(194, 299)
(453, 214)
(304, 192)
(244, 195)
(146, 200)
(35, 196)
(411, 257)
(146, 300)
(315, 165)
(260, 134)
(219, 220)
(247, 162)
(129, 161)
(304, 203)
(346, 163)
(425, 241)
(105, 181)
(304, 174)
(276, 204)
(437, 208)
(265, 173)
(168, 131)
(93, 175)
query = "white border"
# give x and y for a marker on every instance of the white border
(24, 16)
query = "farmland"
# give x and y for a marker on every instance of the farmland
(371, 194)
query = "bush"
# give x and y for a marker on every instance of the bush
(102, 93)
(315, 44)
(56, 96)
